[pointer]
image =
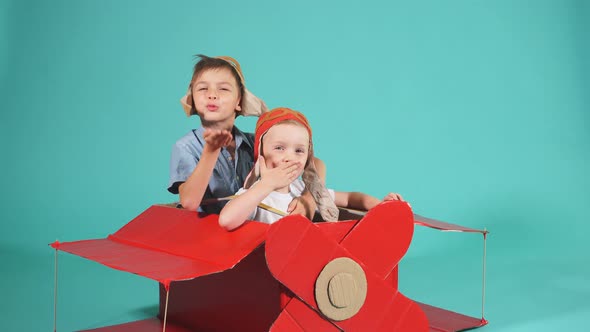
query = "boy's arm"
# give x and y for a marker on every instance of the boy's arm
(305, 204)
(236, 211)
(361, 201)
(355, 200)
(192, 190)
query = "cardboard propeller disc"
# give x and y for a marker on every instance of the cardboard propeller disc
(341, 289)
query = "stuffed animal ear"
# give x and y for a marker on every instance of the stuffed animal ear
(320, 194)
(251, 105)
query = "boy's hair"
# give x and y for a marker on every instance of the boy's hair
(249, 103)
(207, 63)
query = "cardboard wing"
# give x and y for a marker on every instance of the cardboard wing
(167, 244)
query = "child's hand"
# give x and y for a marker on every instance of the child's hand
(300, 206)
(393, 197)
(280, 176)
(217, 138)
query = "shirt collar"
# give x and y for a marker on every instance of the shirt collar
(240, 137)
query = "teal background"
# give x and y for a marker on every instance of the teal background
(477, 112)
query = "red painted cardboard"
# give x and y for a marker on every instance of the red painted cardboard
(167, 244)
(385, 232)
(210, 274)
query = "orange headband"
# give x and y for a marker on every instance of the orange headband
(271, 118)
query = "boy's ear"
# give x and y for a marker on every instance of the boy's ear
(239, 106)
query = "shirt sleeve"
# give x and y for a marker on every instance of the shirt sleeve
(182, 164)
(296, 187)
(332, 194)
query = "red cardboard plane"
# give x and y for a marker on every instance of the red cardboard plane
(293, 275)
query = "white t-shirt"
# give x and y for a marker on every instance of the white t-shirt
(279, 201)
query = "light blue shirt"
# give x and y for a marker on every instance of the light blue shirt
(228, 175)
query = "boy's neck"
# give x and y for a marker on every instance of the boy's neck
(284, 190)
(222, 126)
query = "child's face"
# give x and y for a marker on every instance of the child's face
(217, 97)
(285, 142)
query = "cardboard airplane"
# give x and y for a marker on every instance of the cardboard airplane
(293, 275)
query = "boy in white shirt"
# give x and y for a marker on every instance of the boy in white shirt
(284, 149)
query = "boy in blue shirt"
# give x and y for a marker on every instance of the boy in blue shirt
(214, 160)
